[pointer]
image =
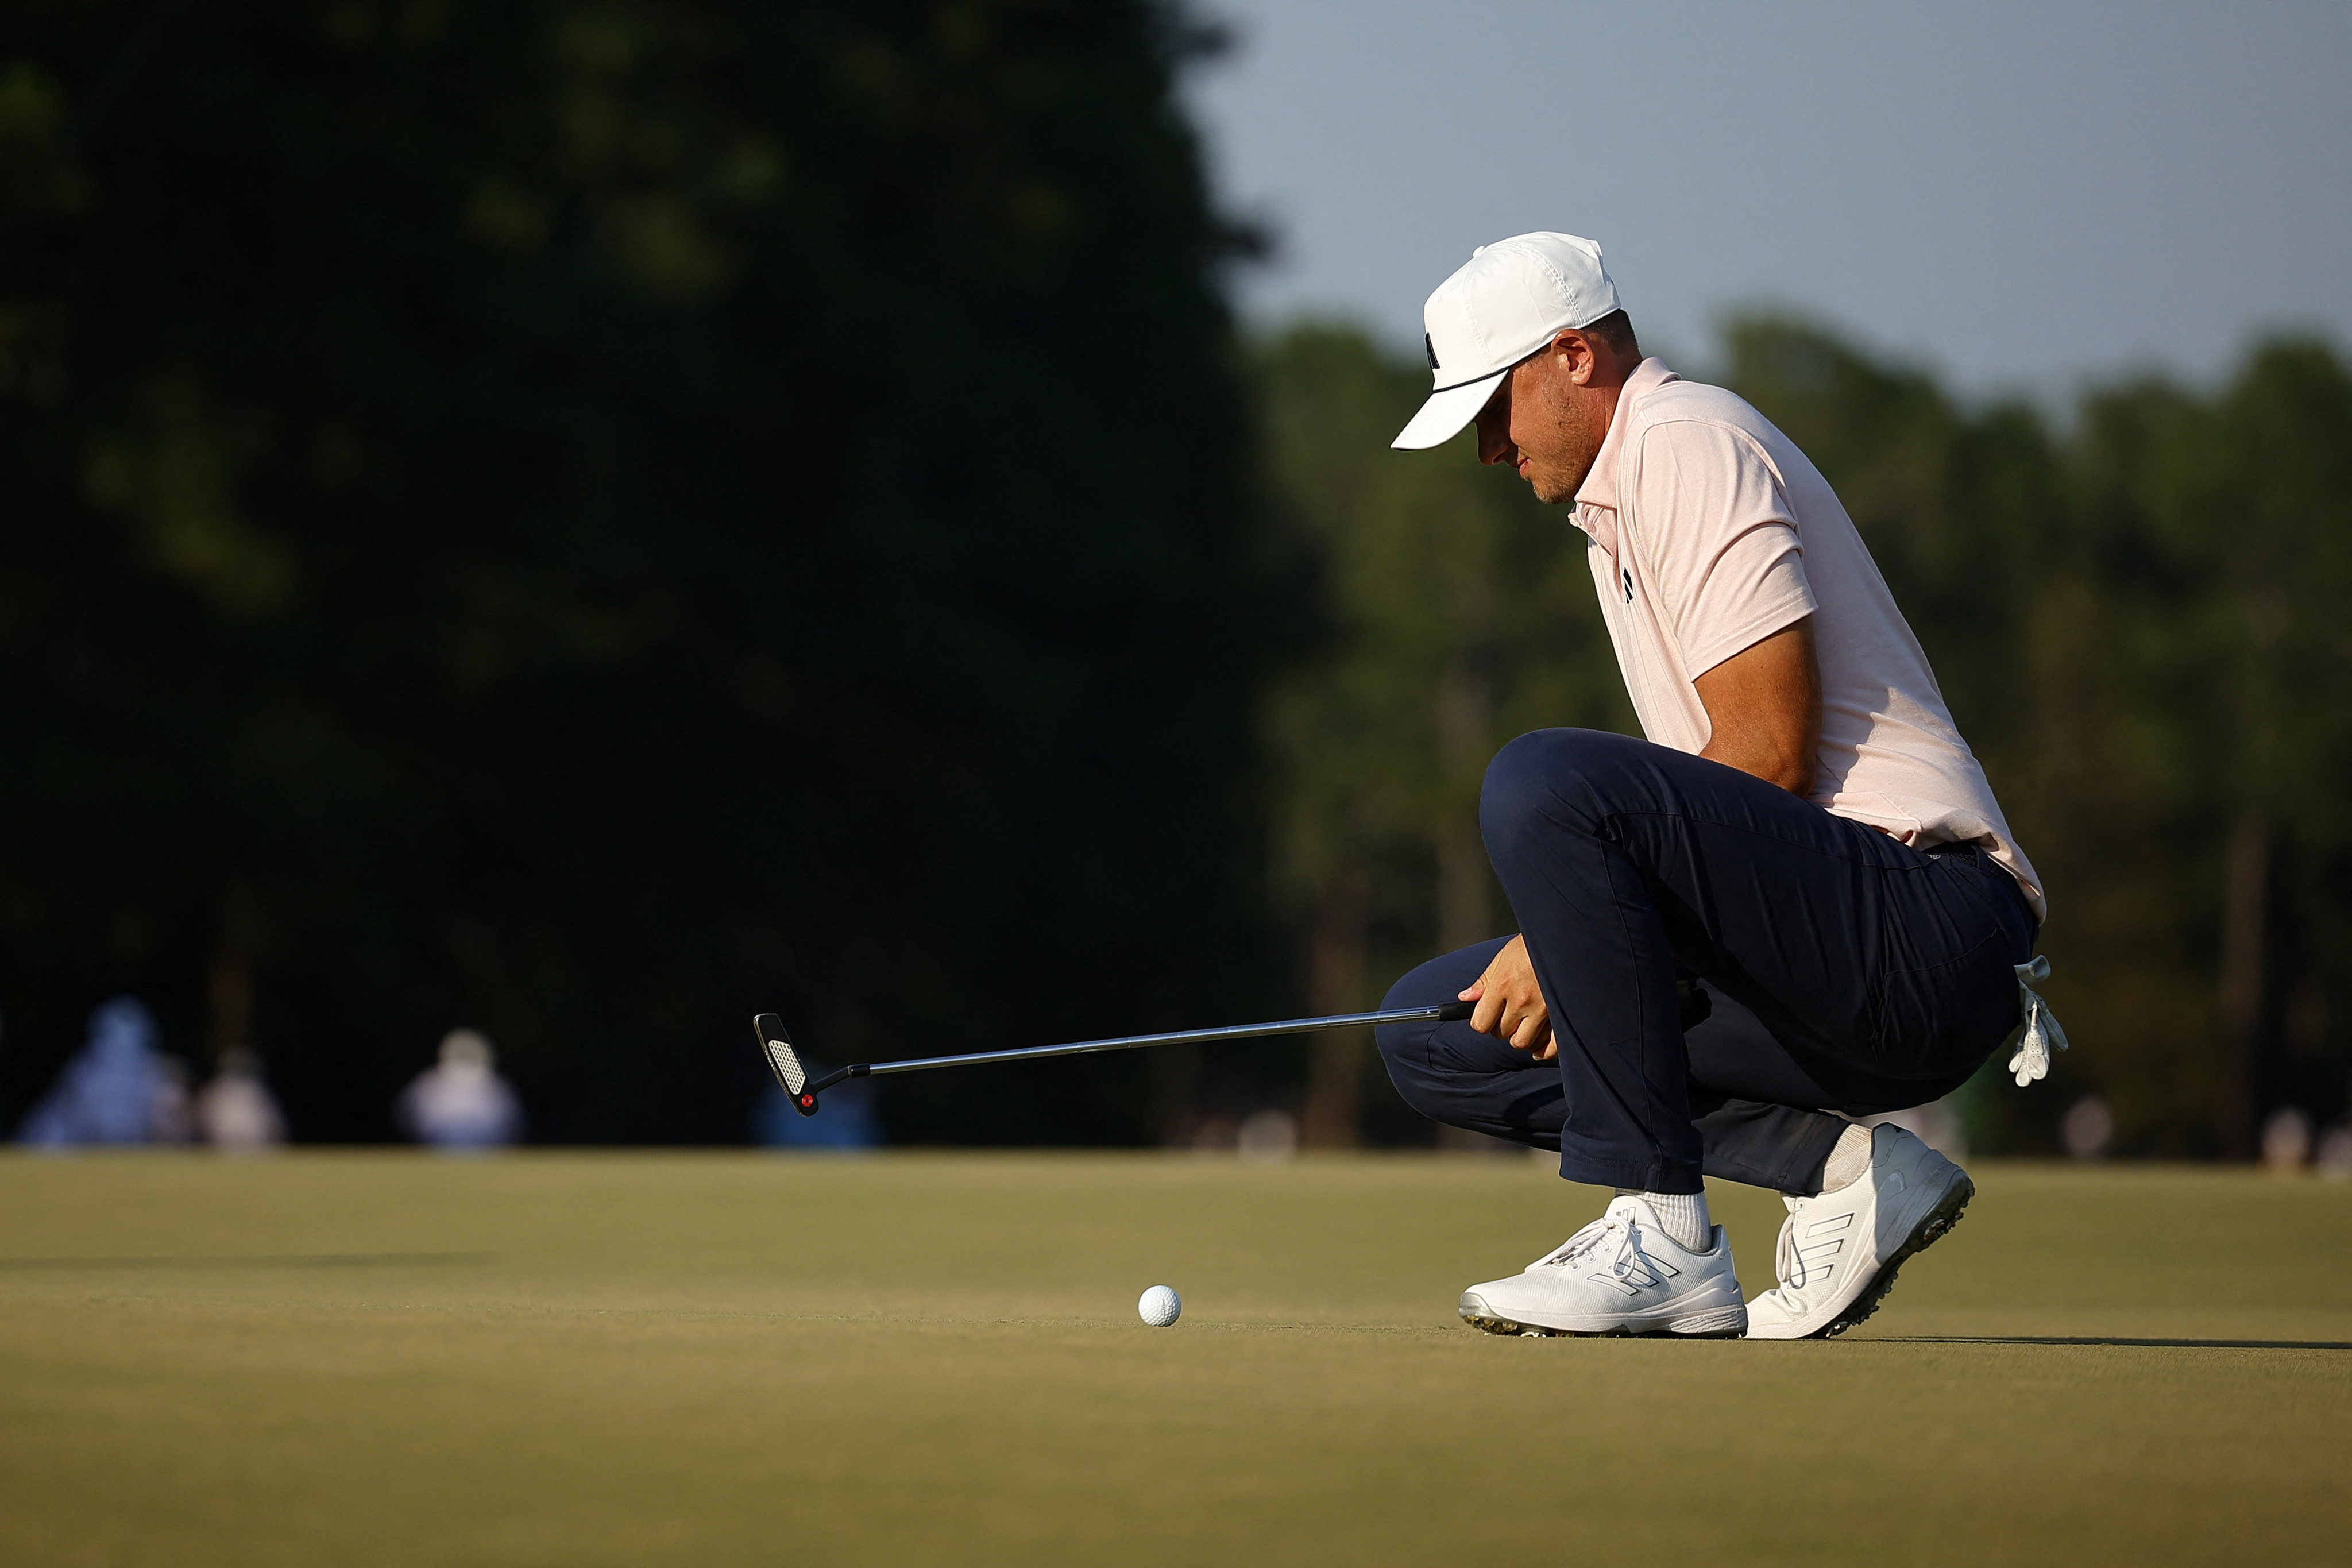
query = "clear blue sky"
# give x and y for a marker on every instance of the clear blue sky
(2020, 196)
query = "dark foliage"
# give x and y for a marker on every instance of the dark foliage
(592, 518)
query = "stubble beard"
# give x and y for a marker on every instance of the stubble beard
(1576, 435)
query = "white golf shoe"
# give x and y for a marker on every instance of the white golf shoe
(1838, 1252)
(1622, 1274)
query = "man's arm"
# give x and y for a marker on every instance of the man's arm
(1765, 704)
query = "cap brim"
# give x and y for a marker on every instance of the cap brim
(1443, 415)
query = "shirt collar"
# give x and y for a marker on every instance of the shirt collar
(1600, 486)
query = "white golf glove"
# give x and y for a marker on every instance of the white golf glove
(2037, 1034)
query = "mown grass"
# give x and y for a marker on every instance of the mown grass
(632, 1359)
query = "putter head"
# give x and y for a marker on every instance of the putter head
(777, 1047)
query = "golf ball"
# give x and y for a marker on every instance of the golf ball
(1161, 1306)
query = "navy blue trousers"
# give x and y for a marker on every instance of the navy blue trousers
(1848, 973)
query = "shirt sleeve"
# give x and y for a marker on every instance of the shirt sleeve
(1720, 540)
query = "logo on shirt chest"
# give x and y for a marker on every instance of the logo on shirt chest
(1625, 578)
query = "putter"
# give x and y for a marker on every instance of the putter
(786, 1059)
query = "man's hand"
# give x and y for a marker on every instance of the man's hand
(1510, 1004)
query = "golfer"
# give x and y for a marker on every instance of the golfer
(1796, 902)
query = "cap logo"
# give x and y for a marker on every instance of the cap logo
(1432, 348)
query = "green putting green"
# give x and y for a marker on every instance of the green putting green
(360, 1358)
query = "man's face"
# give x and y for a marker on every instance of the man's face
(1546, 421)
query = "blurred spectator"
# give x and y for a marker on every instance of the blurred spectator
(461, 1102)
(116, 1090)
(1267, 1137)
(174, 1117)
(236, 1111)
(2088, 1128)
(845, 1121)
(2286, 1138)
(2335, 1154)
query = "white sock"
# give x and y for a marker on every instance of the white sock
(1682, 1215)
(1849, 1159)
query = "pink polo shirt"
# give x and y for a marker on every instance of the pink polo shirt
(1710, 533)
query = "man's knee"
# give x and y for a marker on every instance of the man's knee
(1538, 778)
(1459, 1079)
(1406, 1048)
(1404, 1052)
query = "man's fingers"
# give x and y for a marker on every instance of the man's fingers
(1510, 1005)
(1487, 1014)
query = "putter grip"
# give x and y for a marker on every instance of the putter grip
(1457, 1012)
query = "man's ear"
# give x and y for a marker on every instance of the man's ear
(1577, 355)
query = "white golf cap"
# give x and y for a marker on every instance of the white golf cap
(1509, 301)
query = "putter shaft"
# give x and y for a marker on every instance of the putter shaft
(1441, 1012)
